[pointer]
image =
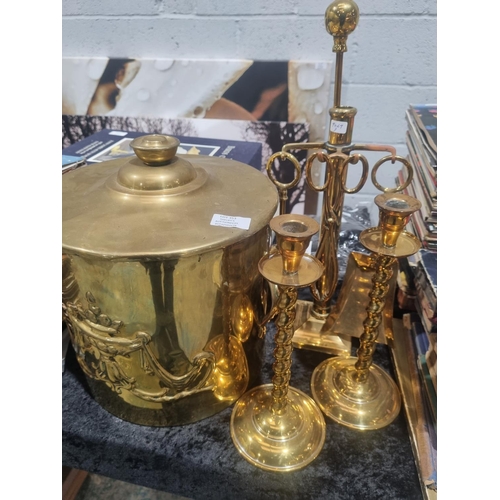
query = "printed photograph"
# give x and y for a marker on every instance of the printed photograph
(284, 91)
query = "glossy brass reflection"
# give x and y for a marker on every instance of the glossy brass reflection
(314, 326)
(96, 334)
(274, 426)
(352, 390)
(149, 359)
(164, 308)
(350, 308)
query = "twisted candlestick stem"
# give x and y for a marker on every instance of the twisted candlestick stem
(378, 293)
(283, 350)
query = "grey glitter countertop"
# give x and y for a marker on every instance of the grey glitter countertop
(199, 460)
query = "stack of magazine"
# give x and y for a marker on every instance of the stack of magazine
(423, 323)
(421, 140)
(416, 360)
(417, 296)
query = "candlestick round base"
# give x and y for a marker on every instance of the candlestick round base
(363, 405)
(277, 442)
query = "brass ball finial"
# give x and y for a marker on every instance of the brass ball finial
(341, 19)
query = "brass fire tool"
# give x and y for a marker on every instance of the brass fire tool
(274, 426)
(313, 331)
(352, 390)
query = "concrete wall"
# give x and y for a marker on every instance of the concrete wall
(390, 63)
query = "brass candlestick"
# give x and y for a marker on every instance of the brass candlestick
(352, 390)
(275, 426)
(313, 331)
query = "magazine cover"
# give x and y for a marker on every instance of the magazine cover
(425, 116)
(109, 144)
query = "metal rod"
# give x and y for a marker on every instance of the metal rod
(302, 145)
(338, 79)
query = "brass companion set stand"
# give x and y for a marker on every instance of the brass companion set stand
(165, 300)
(318, 324)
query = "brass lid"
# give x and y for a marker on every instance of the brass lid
(157, 204)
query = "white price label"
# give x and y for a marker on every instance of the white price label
(338, 127)
(116, 132)
(231, 221)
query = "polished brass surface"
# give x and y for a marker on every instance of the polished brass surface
(107, 215)
(271, 268)
(351, 403)
(350, 308)
(399, 187)
(242, 317)
(343, 114)
(350, 390)
(373, 239)
(155, 149)
(176, 177)
(97, 334)
(276, 427)
(283, 187)
(293, 234)
(337, 154)
(394, 212)
(163, 308)
(283, 443)
(341, 19)
(309, 333)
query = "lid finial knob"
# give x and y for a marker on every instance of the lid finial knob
(155, 149)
